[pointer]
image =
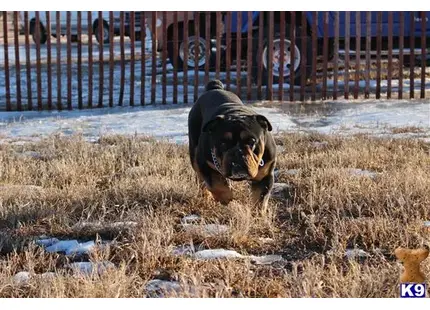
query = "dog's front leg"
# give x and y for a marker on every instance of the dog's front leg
(261, 190)
(220, 188)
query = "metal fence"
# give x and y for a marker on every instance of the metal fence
(67, 60)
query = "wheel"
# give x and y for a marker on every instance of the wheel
(105, 32)
(74, 38)
(181, 47)
(289, 64)
(42, 34)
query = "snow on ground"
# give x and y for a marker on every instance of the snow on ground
(169, 122)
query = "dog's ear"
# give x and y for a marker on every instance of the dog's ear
(209, 126)
(264, 122)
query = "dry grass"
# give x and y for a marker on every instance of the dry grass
(329, 210)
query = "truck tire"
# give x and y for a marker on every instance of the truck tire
(191, 49)
(42, 33)
(105, 31)
(287, 61)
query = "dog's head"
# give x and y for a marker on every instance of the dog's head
(411, 255)
(238, 142)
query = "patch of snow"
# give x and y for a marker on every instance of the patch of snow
(170, 122)
(89, 268)
(190, 219)
(213, 254)
(71, 247)
(46, 242)
(62, 246)
(183, 250)
(362, 173)
(217, 254)
(21, 277)
(355, 253)
(81, 248)
(266, 259)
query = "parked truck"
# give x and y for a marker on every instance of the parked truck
(409, 27)
(73, 24)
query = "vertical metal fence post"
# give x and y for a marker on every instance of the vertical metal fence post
(175, 57)
(132, 55)
(390, 53)
(378, 55)
(58, 31)
(228, 49)
(249, 58)
(122, 58)
(90, 59)
(28, 62)
(270, 57)
(292, 54)
(69, 60)
(186, 56)
(314, 54)
(347, 45)
(218, 44)
(208, 45)
(197, 51)
(238, 53)
(304, 60)
(143, 59)
(80, 102)
(154, 57)
(325, 55)
(101, 64)
(423, 55)
(164, 59)
(357, 53)
(401, 44)
(48, 58)
(260, 55)
(336, 55)
(111, 57)
(281, 59)
(368, 46)
(17, 61)
(6, 62)
(38, 64)
(412, 56)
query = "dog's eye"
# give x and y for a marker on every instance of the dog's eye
(252, 143)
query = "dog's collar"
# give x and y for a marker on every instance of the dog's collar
(215, 161)
(217, 165)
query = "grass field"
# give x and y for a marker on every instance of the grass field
(328, 210)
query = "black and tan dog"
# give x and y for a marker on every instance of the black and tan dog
(228, 140)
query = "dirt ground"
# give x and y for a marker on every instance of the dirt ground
(50, 186)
